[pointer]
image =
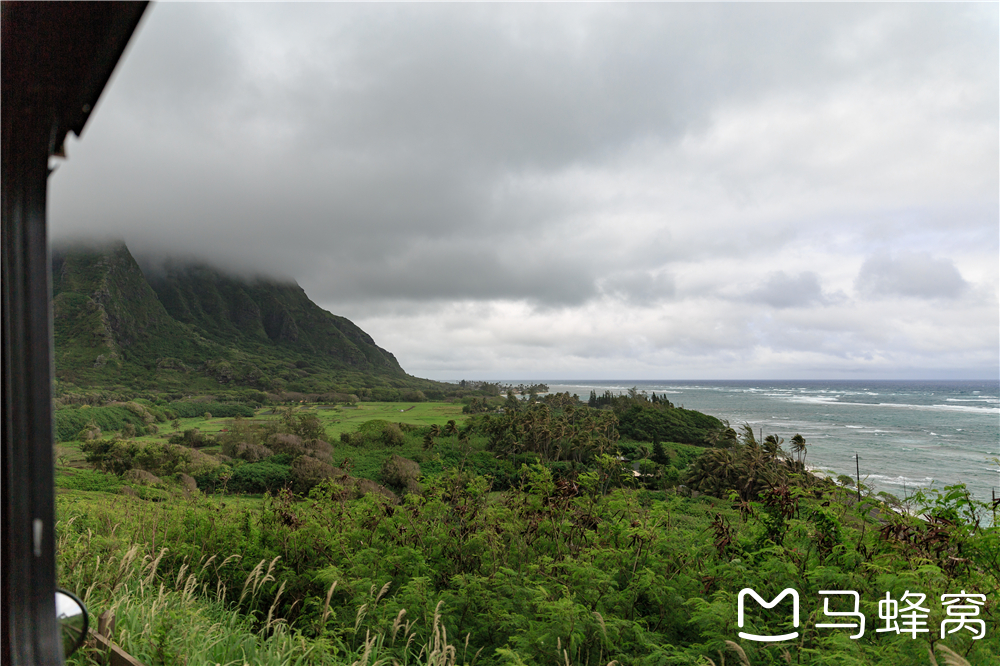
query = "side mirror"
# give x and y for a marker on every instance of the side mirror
(71, 615)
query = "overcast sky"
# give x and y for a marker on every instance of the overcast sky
(650, 191)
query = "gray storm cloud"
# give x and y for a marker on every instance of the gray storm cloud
(781, 290)
(546, 165)
(915, 274)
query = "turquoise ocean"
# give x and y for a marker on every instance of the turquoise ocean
(906, 434)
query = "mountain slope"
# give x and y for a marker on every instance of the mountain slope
(263, 314)
(192, 327)
(108, 319)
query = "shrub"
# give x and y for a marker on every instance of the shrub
(228, 446)
(162, 459)
(187, 482)
(401, 473)
(140, 411)
(378, 432)
(321, 450)
(260, 477)
(671, 477)
(192, 437)
(308, 471)
(347, 488)
(306, 426)
(200, 462)
(110, 456)
(845, 480)
(355, 439)
(255, 453)
(214, 479)
(310, 427)
(287, 443)
(392, 435)
(361, 487)
(248, 451)
(374, 426)
(89, 432)
(282, 459)
(142, 477)
(118, 457)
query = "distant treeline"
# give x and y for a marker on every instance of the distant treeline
(609, 399)
(497, 388)
(255, 398)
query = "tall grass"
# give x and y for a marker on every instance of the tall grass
(183, 619)
(188, 618)
(529, 576)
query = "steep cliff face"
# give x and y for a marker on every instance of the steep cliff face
(192, 323)
(264, 314)
(107, 316)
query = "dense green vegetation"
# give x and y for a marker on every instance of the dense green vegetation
(535, 535)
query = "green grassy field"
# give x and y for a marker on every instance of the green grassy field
(338, 418)
(335, 418)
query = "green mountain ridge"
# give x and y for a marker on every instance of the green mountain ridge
(193, 327)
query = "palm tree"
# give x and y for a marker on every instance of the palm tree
(722, 436)
(755, 469)
(451, 428)
(772, 445)
(715, 472)
(798, 446)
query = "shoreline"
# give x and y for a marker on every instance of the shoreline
(894, 425)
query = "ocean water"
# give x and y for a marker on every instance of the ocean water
(906, 434)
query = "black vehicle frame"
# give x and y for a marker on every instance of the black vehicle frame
(57, 58)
